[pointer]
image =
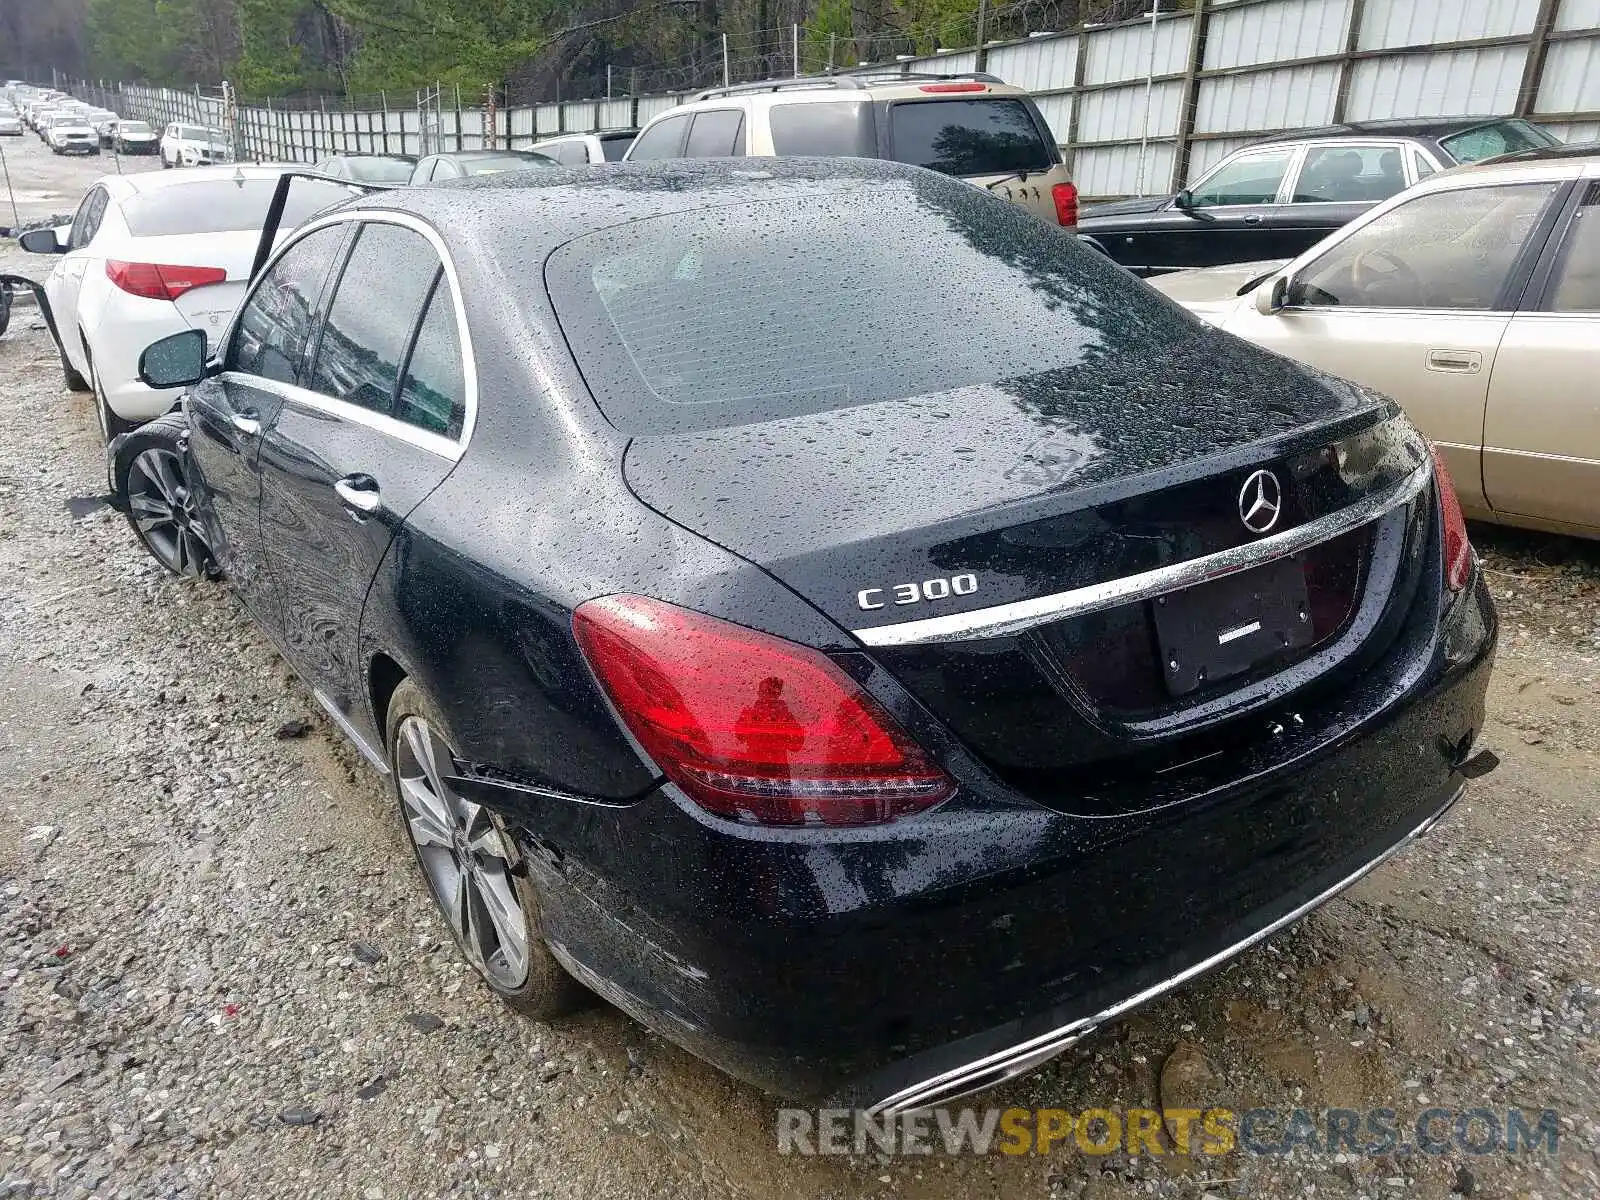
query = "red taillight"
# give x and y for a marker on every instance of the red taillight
(160, 281)
(750, 726)
(1066, 197)
(1457, 549)
(946, 88)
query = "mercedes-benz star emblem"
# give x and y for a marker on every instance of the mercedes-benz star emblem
(1260, 501)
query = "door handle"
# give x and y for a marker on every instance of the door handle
(1464, 362)
(359, 493)
(1253, 218)
(246, 422)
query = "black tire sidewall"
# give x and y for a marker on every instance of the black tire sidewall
(549, 991)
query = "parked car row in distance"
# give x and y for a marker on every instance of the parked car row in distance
(1277, 197)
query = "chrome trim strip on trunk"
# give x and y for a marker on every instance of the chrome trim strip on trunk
(1024, 614)
(1014, 1061)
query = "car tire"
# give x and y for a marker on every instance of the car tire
(152, 482)
(445, 829)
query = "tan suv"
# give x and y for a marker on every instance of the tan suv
(972, 126)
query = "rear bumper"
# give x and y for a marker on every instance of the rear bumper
(892, 965)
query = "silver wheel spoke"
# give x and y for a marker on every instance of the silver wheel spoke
(425, 814)
(505, 914)
(482, 837)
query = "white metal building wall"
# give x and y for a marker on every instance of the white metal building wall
(1265, 66)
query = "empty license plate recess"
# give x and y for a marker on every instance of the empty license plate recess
(1214, 630)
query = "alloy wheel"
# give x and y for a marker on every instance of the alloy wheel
(464, 856)
(163, 509)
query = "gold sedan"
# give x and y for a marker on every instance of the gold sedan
(1473, 299)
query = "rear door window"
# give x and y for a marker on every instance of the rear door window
(969, 137)
(275, 324)
(380, 295)
(615, 147)
(1249, 179)
(661, 140)
(1343, 174)
(572, 154)
(717, 133)
(832, 129)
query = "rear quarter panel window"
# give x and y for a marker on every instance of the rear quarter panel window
(835, 129)
(433, 393)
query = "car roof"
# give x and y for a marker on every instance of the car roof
(1419, 127)
(563, 203)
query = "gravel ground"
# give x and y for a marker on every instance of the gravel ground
(219, 976)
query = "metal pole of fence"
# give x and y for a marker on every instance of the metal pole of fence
(727, 77)
(6, 167)
(833, 43)
(608, 81)
(1149, 93)
(795, 40)
(981, 59)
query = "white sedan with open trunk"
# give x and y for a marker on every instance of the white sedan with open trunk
(151, 254)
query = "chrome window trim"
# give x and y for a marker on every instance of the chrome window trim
(293, 393)
(1019, 615)
(1016, 1060)
(445, 447)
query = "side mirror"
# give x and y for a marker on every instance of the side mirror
(1183, 200)
(177, 360)
(46, 241)
(1270, 299)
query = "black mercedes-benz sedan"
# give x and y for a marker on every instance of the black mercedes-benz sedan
(830, 614)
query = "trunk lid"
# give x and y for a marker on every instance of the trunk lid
(211, 306)
(1006, 494)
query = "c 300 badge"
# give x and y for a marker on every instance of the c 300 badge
(917, 593)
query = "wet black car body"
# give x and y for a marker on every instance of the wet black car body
(929, 453)
(1280, 196)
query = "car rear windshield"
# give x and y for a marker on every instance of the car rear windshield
(379, 170)
(505, 162)
(1497, 137)
(830, 129)
(884, 290)
(615, 146)
(987, 136)
(223, 206)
